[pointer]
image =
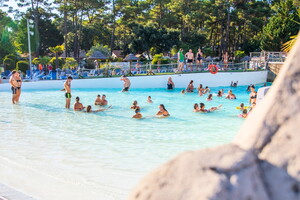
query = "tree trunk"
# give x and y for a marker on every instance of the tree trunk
(112, 40)
(65, 29)
(36, 25)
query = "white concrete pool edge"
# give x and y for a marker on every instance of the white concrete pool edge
(8, 193)
(157, 81)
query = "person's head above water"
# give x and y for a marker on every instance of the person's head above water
(191, 81)
(77, 99)
(242, 105)
(98, 95)
(162, 107)
(202, 105)
(88, 108)
(135, 102)
(245, 111)
(149, 97)
(196, 106)
(209, 96)
(70, 78)
(103, 96)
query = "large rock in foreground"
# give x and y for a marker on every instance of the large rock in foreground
(262, 163)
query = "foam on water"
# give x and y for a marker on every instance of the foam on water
(105, 153)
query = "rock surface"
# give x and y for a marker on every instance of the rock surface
(262, 163)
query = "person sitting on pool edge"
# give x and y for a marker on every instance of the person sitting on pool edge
(149, 100)
(137, 115)
(77, 105)
(89, 109)
(135, 105)
(202, 108)
(230, 95)
(162, 111)
(98, 100)
(104, 102)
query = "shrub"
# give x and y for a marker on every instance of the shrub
(22, 66)
(159, 58)
(61, 62)
(70, 63)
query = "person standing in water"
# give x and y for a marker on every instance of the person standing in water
(67, 88)
(170, 84)
(126, 83)
(180, 60)
(98, 100)
(138, 114)
(15, 82)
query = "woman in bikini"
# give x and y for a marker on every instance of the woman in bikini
(190, 87)
(253, 96)
(15, 82)
(200, 90)
(162, 111)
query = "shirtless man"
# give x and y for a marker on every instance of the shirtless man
(77, 105)
(103, 100)
(98, 100)
(126, 83)
(15, 83)
(67, 88)
(190, 59)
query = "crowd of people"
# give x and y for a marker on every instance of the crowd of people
(16, 83)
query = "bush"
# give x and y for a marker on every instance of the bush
(61, 62)
(9, 61)
(22, 66)
(44, 60)
(89, 64)
(70, 63)
(159, 58)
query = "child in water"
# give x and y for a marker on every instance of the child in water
(149, 100)
(137, 115)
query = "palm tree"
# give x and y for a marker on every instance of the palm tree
(286, 47)
(57, 50)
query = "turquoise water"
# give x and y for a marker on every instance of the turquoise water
(108, 151)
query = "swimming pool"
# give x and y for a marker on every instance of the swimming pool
(64, 154)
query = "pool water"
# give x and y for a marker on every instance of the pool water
(106, 153)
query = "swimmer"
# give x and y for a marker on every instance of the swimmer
(196, 108)
(209, 98)
(206, 90)
(15, 83)
(126, 83)
(244, 114)
(182, 92)
(230, 95)
(149, 100)
(77, 105)
(233, 84)
(98, 100)
(202, 108)
(200, 90)
(104, 102)
(219, 93)
(170, 84)
(242, 106)
(190, 87)
(89, 109)
(137, 115)
(162, 111)
(135, 105)
(67, 89)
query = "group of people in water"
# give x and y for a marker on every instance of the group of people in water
(16, 83)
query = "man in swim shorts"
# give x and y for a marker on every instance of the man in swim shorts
(67, 88)
(126, 83)
(190, 59)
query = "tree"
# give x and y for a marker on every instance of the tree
(57, 50)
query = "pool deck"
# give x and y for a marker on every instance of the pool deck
(7, 193)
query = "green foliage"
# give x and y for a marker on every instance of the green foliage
(22, 66)
(60, 61)
(9, 61)
(159, 59)
(281, 26)
(207, 51)
(70, 63)
(44, 60)
(99, 47)
(238, 54)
